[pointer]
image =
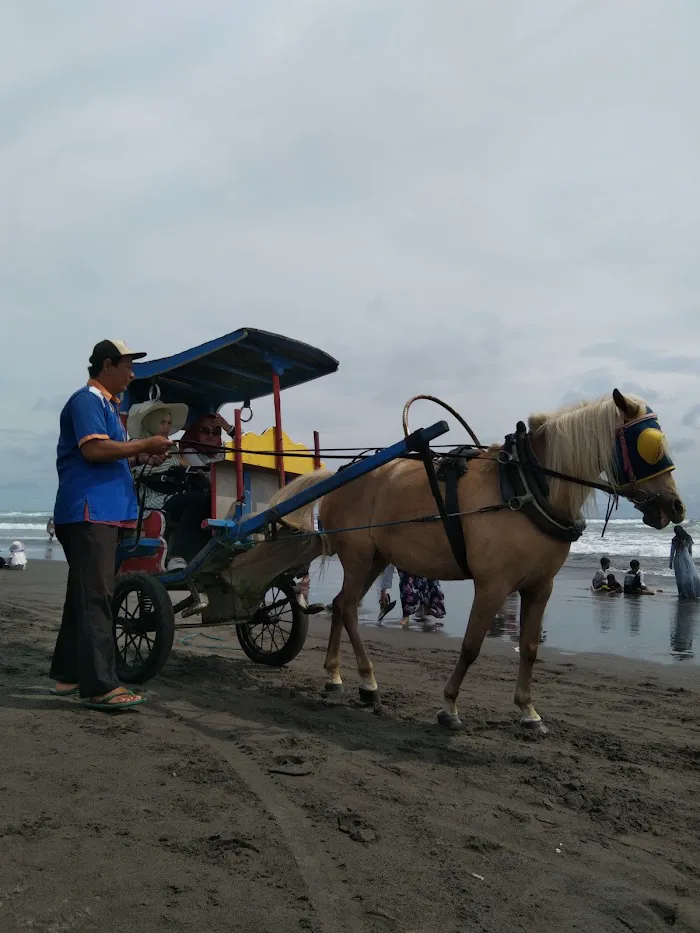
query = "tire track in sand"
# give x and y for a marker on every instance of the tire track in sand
(334, 911)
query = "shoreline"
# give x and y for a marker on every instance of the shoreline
(572, 601)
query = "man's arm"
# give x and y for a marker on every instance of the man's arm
(89, 419)
(101, 450)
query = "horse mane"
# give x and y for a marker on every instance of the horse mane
(579, 439)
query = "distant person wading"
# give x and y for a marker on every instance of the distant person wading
(683, 565)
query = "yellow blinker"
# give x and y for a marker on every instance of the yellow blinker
(650, 445)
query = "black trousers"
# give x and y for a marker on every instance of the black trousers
(189, 509)
(84, 652)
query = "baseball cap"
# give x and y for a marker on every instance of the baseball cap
(111, 350)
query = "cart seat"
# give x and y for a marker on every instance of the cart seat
(148, 554)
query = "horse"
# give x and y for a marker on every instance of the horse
(616, 436)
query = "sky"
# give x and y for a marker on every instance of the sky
(492, 202)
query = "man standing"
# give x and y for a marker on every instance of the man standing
(95, 500)
(386, 604)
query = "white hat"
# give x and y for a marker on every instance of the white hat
(137, 413)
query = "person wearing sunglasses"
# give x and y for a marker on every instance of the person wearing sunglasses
(200, 446)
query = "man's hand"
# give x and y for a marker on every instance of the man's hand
(157, 445)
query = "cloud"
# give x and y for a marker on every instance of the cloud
(444, 198)
(691, 417)
(52, 405)
(684, 444)
(644, 360)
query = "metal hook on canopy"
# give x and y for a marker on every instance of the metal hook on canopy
(246, 408)
(154, 392)
(432, 398)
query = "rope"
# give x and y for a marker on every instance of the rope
(423, 519)
(365, 454)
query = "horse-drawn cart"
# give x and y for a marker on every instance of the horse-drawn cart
(246, 573)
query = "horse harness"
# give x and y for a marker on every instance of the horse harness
(524, 487)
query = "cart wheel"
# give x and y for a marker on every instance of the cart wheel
(277, 631)
(144, 627)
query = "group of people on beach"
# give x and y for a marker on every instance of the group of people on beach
(680, 561)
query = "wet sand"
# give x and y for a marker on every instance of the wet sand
(244, 798)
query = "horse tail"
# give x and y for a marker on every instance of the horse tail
(303, 518)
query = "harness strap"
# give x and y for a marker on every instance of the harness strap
(454, 528)
(451, 523)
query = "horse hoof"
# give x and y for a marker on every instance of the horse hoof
(333, 687)
(449, 721)
(536, 726)
(369, 697)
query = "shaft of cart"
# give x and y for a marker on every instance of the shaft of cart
(415, 442)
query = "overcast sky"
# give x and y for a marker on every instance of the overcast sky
(494, 202)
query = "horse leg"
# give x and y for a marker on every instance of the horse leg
(488, 600)
(341, 603)
(358, 585)
(532, 606)
(334, 684)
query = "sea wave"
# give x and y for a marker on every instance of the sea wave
(21, 526)
(45, 514)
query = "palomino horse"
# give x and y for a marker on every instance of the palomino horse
(506, 552)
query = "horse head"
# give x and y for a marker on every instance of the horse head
(642, 466)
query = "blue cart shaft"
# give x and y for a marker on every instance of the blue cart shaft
(256, 523)
(239, 530)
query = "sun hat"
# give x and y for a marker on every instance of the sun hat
(178, 412)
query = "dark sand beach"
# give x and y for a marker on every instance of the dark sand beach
(243, 798)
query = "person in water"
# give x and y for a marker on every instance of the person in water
(634, 581)
(682, 563)
(600, 576)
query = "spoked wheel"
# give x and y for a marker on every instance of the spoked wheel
(144, 627)
(277, 631)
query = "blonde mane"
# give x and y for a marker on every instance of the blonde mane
(579, 440)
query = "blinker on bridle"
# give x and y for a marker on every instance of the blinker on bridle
(640, 452)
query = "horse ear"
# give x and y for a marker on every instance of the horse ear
(535, 422)
(623, 405)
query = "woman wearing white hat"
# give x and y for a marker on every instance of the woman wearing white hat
(18, 559)
(149, 419)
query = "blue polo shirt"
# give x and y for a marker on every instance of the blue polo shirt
(93, 492)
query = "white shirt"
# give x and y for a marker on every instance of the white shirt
(386, 578)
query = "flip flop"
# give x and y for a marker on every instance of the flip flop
(70, 692)
(106, 706)
(386, 610)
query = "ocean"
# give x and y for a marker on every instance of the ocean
(624, 539)
(661, 628)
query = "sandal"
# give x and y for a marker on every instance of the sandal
(66, 691)
(386, 609)
(107, 702)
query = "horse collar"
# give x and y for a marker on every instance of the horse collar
(525, 488)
